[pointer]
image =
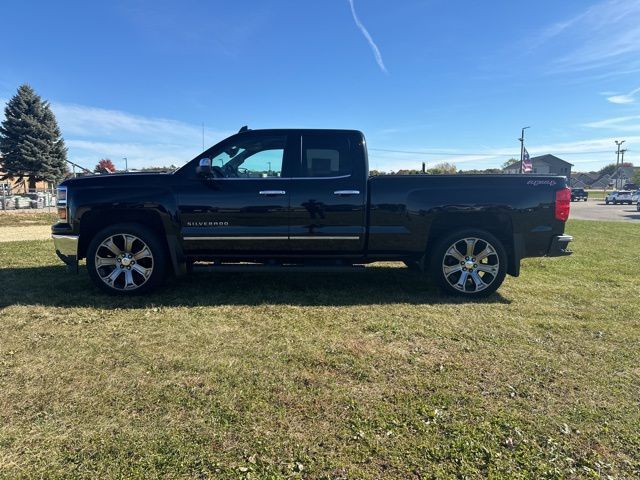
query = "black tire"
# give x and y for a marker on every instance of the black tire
(156, 261)
(497, 261)
(606, 202)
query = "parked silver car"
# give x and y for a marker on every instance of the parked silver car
(623, 196)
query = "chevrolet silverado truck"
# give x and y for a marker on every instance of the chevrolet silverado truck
(300, 200)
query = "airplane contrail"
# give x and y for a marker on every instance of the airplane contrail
(372, 44)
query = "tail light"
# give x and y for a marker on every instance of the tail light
(61, 203)
(563, 204)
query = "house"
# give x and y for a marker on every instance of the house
(583, 179)
(544, 164)
(8, 185)
(13, 185)
(624, 175)
(602, 183)
(575, 183)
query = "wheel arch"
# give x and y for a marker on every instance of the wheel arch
(499, 225)
(95, 220)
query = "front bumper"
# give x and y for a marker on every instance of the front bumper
(560, 246)
(67, 250)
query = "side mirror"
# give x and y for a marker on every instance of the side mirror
(204, 167)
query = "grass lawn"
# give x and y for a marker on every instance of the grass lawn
(371, 375)
(23, 219)
(597, 194)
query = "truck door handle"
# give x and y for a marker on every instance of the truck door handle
(272, 192)
(347, 192)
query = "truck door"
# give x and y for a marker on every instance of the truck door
(247, 209)
(328, 195)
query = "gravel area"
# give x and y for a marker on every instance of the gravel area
(30, 232)
(598, 210)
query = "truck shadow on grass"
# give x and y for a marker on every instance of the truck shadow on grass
(52, 286)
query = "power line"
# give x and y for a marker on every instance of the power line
(467, 154)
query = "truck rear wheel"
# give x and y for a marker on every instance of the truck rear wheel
(470, 263)
(126, 259)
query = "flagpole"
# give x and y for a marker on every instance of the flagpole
(522, 150)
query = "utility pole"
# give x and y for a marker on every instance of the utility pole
(622, 163)
(522, 149)
(619, 144)
(126, 164)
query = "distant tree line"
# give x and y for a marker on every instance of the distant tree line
(444, 168)
(106, 166)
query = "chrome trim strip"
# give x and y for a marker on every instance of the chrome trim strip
(236, 238)
(347, 192)
(277, 178)
(55, 235)
(325, 237)
(309, 237)
(272, 192)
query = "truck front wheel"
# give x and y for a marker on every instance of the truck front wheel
(469, 263)
(126, 259)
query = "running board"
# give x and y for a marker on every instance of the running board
(253, 268)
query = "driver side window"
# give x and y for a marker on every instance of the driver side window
(255, 157)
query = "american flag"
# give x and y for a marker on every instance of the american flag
(527, 166)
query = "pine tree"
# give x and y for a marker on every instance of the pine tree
(30, 141)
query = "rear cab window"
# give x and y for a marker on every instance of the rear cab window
(325, 155)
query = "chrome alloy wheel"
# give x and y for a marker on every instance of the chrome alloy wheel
(124, 262)
(470, 265)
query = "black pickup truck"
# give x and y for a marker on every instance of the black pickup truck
(578, 194)
(303, 200)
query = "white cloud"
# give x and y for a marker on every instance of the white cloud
(605, 34)
(621, 99)
(587, 154)
(367, 36)
(93, 133)
(630, 123)
(624, 98)
(87, 153)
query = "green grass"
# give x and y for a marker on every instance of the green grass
(13, 219)
(596, 194)
(371, 375)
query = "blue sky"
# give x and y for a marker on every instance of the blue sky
(455, 80)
